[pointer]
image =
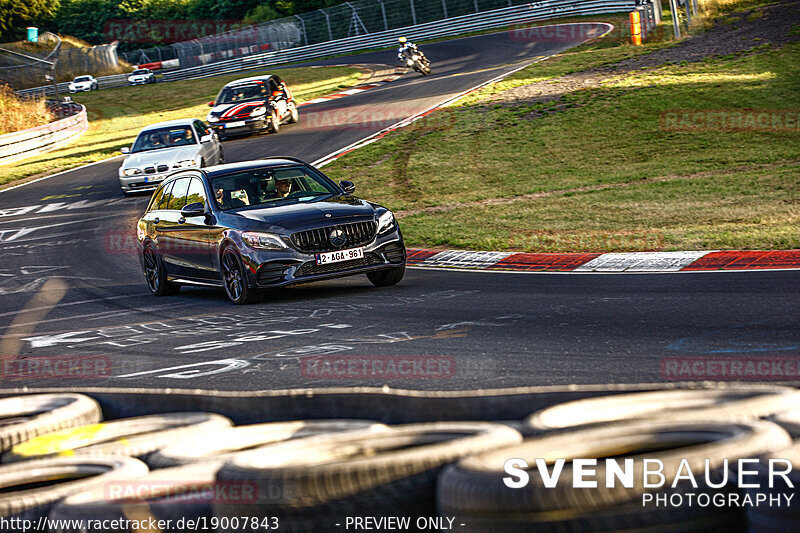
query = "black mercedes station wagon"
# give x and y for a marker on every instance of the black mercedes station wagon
(264, 224)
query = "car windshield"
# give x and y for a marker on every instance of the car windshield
(156, 139)
(82, 78)
(136, 72)
(267, 187)
(243, 93)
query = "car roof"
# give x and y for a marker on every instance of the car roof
(231, 168)
(251, 79)
(168, 123)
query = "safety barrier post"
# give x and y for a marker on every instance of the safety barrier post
(636, 28)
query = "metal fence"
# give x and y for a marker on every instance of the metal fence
(26, 70)
(27, 143)
(344, 21)
(453, 25)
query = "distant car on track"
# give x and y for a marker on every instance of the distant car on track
(141, 76)
(264, 224)
(83, 83)
(166, 147)
(248, 105)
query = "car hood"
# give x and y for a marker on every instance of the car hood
(80, 83)
(164, 156)
(138, 76)
(342, 209)
(238, 110)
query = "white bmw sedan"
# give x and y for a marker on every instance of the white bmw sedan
(163, 148)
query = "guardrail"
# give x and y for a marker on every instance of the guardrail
(33, 141)
(535, 11)
(103, 82)
(441, 28)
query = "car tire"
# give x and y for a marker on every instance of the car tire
(234, 278)
(311, 482)
(274, 124)
(294, 114)
(156, 274)
(36, 414)
(125, 437)
(385, 278)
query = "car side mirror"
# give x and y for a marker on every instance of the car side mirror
(211, 103)
(347, 186)
(195, 209)
(125, 150)
(206, 138)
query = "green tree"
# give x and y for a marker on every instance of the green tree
(16, 15)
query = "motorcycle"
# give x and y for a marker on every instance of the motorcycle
(416, 59)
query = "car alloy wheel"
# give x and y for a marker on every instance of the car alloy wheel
(235, 278)
(155, 274)
(294, 114)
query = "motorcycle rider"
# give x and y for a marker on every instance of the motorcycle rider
(407, 48)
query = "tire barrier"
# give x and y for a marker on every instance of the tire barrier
(473, 490)
(27, 143)
(176, 495)
(777, 520)
(30, 488)
(30, 416)
(668, 405)
(310, 475)
(312, 483)
(228, 441)
(135, 437)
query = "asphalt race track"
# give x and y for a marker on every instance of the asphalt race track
(436, 330)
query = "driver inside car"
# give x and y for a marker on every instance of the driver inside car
(283, 187)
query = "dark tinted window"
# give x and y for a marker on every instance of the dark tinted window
(243, 93)
(178, 199)
(196, 192)
(201, 128)
(156, 199)
(163, 202)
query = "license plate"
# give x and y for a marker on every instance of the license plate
(236, 124)
(341, 255)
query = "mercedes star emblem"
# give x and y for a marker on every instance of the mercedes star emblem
(338, 238)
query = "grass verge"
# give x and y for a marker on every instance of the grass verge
(117, 115)
(601, 170)
(16, 114)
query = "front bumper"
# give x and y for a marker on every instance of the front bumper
(143, 182)
(251, 125)
(279, 268)
(80, 89)
(142, 81)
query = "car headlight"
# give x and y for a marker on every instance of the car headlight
(186, 163)
(131, 171)
(212, 118)
(385, 222)
(264, 241)
(257, 112)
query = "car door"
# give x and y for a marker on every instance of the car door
(169, 230)
(194, 235)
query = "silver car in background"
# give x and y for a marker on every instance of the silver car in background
(163, 148)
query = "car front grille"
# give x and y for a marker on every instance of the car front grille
(318, 240)
(154, 169)
(149, 170)
(311, 268)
